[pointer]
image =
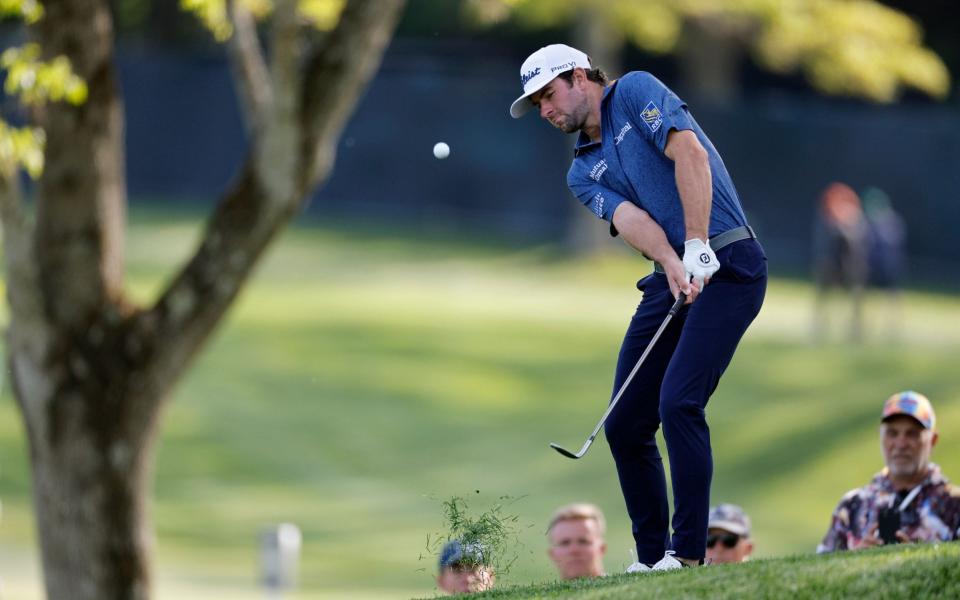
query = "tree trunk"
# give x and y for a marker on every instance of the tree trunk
(88, 436)
(91, 423)
(91, 484)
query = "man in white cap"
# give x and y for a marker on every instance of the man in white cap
(909, 500)
(644, 164)
(728, 535)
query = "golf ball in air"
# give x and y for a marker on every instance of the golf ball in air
(441, 150)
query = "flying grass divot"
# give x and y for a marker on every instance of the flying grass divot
(493, 533)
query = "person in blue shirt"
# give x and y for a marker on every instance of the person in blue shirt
(643, 164)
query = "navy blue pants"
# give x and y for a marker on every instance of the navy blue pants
(673, 387)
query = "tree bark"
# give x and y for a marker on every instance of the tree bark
(91, 488)
(90, 372)
(81, 195)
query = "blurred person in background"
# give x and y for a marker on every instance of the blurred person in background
(909, 500)
(463, 569)
(886, 260)
(576, 540)
(839, 255)
(728, 535)
(644, 164)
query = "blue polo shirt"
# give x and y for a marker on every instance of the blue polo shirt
(637, 112)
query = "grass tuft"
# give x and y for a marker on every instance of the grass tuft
(490, 538)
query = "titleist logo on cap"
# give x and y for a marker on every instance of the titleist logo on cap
(529, 75)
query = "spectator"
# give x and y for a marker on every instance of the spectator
(728, 535)
(463, 569)
(886, 238)
(909, 500)
(840, 255)
(576, 541)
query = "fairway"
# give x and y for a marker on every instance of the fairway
(364, 377)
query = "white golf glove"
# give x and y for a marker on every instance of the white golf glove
(699, 260)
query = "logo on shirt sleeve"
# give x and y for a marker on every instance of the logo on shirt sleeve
(598, 170)
(598, 204)
(652, 117)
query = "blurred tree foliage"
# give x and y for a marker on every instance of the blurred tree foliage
(162, 20)
(33, 82)
(843, 47)
(322, 14)
(28, 10)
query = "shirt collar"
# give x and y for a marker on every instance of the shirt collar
(584, 142)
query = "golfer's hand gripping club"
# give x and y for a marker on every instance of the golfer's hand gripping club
(699, 261)
(586, 445)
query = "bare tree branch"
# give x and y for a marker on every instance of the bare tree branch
(286, 45)
(276, 156)
(174, 329)
(249, 68)
(336, 73)
(250, 215)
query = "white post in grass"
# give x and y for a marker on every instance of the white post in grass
(279, 558)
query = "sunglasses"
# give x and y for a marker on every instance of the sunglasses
(729, 540)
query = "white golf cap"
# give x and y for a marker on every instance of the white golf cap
(541, 67)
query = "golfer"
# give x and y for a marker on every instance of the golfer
(644, 164)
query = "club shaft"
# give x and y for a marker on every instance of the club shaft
(613, 403)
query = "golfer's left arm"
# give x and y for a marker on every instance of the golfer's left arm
(695, 186)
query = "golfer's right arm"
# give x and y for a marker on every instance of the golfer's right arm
(638, 229)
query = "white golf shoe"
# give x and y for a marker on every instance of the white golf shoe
(667, 563)
(638, 567)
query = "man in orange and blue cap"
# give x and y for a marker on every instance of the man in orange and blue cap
(909, 500)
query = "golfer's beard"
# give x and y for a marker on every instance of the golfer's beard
(568, 124)
(575, 121)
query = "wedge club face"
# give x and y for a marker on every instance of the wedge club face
(569, 454)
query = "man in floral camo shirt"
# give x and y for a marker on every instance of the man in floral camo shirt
(911, 485)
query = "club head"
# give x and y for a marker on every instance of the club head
(564, 451)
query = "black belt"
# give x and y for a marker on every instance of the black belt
(722, 239)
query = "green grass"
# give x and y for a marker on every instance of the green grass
(925, 571)
(363, 378)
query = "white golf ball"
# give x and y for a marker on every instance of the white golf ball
(441, 150)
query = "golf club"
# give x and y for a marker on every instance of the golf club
(586, 445)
